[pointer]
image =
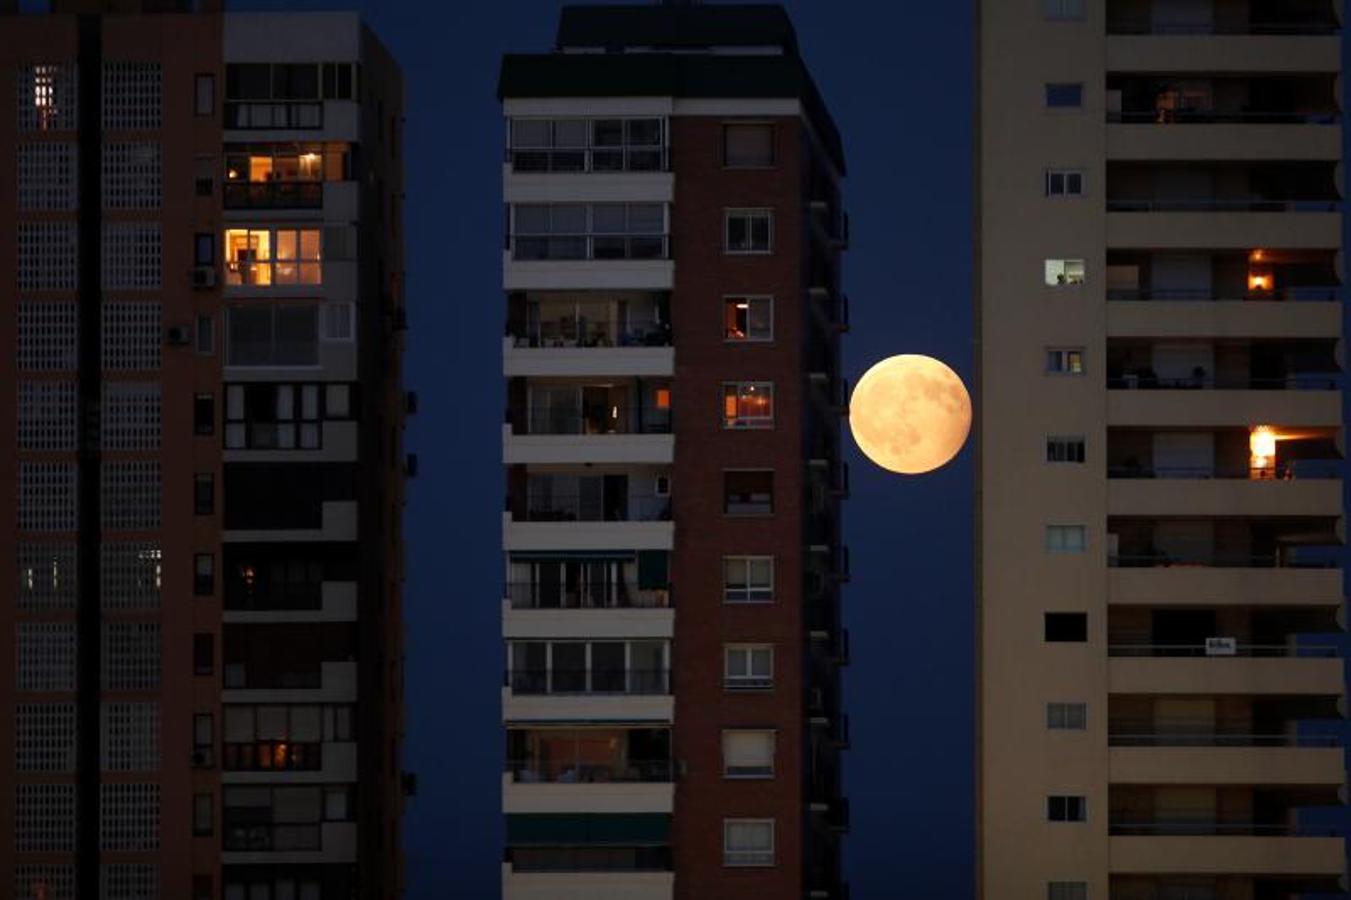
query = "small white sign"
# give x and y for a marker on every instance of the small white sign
(1221, 646)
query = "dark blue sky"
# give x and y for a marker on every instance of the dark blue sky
(898, 78)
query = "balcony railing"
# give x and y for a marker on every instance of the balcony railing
(1290, 471)
(278, 838)
(261, 597)
(272, 756)
(1222, 204)
(304, 114)
(581, 681)
(590, 859)
(636, 158)
(577, 507)
(1221, 559)
(1265, 651)
(1299, 294)
(582, 331)
(273, 194)
(602, 595)
(1180, 826)
(530, 248)
(1205, 733)
(239, 677)
(1140, 26)
(1295, 382)
(1222, 117)
(530, 771)
(545, 421)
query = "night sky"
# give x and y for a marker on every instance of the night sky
(897, 76)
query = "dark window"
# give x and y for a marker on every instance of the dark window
(204, 493)
(205, 186)
(205, 99)
(272, 335)
(278, 496)
(204, 249)
(203, 574)
(295, 81)
(1062, 627)
(1065, 449)
(1066, 809)
(748, 145)
(748, 493)
(206, 335)
(202, 888)
(204, 414)
(248, 81)
(203, 814)
(1064, 95)
(203, 740)
(203, 654)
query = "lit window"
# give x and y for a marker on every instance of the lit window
(1064, 95)
(748, 842)
(748, 404)
(747, 754)
(1061, 272)
(662, 398)
(272, 257)
(1070, 808)
(1065, 538)
(747, 579)
(1065, 361)
(748, 231)
(748, 667)
(1064, 183)
(748, 318)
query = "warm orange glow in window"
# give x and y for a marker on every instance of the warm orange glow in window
(1257, 256)
(247, 257)
(1260, 280)
(260, 168)
(663, 398)
(1262, 450)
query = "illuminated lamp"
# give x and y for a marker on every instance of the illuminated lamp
(1262, 447)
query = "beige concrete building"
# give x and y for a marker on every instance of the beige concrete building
(1159, 506)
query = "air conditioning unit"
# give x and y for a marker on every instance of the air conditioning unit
(178, 335)
(1221, 646)
(203, 277)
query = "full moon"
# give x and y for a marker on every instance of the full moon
(910, 414)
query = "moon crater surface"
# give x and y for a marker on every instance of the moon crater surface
(910, 414)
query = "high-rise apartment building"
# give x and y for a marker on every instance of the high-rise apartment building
(200, 615)
(672, 451)
(1160, 503)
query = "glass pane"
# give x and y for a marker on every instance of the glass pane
(530, 133)
(272, 723)
(309, 401)
(532, 219)
(568, 218)
(644, 132)
(309, 244)
(608, 218)
(646, 218)
(570, 133)
(286, 244)
(608, 133)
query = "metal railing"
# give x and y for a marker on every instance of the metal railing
(599, 595)
(273, 194)
(1144, 26)
(1220, 559)
(1301, 293)
(272, 756)
(268, 596)
(582, 681)
(572, 506)
(1221, 117)
(532, 771)
(1325, 469)
(528, 248)
(624, 158)
(589, 859)
(1264, 651)
(280, 114)
(585, 331)
(273, 837)
(1205, 733)
(238, 677)
(545, 420)
(1222, 204)
(1295, 382)
(1180, 827)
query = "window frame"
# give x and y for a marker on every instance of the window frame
(1067, 443)
(203, 814)
(749, 682)
(741, 422)
(1057, 14)
(1065, 174)
(1052, 88)
(742, 859)
(1065, 547)
(1069, 803)
(1061, 715)
(754, 594)
(1065, 266)
(1061, 361)
(748, 513)
(730, 300)
(1064, 616)
(752, 123)
(764, 773)
(749, 213)
(204, 88)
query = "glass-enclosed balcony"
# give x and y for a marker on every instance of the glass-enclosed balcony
(1203, 99)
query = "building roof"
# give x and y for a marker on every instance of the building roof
(687, 26)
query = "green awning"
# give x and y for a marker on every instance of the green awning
(582, 829)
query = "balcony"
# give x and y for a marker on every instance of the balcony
(578, 335)
(1275, 48)
(636, 884)
(1226, 854)
(1184, 314)
(1173, 675)
(333, 682)
(293, 762)
(279, 844)
(1186, 491)
(1224, 764)
(1255, 17)
(624, 421)
(1231, 228)
(326, 601)
(1258, 583)
(578, 246)
(588, 770)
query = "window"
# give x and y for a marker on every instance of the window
(1064, 272)
(206, 335)
(1067, 716)
(131, 96)
(1063, 10)
(747, 579)
(1066, 539)
(748, 231)
(1064, 183)
(48, 177)
(588, 145)
(588, 231)
(132, 175)
(748, 492)
(1071, 808)
(46, 97)
(1064, 449)
(748, 145)
(203, 654)
(203, 493)
(203, 574)
(1066, 628)
(748, 754)
(748, 404)
(204, 414)
(203, 815)
(1067, 890)
(1065, 361)
(273, 257)
(264, 416)
(272, 335)
(132, 256)
(131, 495)
(204, 249)
(203, 740)
(748, 842)
(748, 318)
(203, 888)
(338, 322)
(204, 95)
(1064, 95)
(748, 667)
